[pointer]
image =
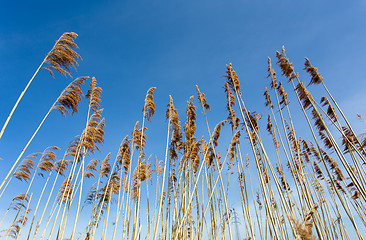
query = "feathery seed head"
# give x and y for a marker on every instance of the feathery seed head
(94, 95)
(194, 156)
(232, 78)
(316, 78)
(124, 154)
(62, 56)
(232, 148)
(139, 137)
(105, 167)
(159, 166)
(70, 97)
(232, 118)
(202, 99)
(285, 65)
(216, 132)
(23, 171)
(283, 94)
(20, 201)
(268, 98)
(47, 158)
(61, 166)
(304, 95)
(190, 125)
(149, 106)
(330, 111)
(176, 142)
(66, 190)
(272, 74)
(90, 168)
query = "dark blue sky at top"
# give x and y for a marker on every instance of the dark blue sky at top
(173, 45)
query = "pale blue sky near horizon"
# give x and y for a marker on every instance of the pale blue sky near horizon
(130, 46)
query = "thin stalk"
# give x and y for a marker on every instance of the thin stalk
(24, 217)
(162, 184)
(39, 200)
(23, 92)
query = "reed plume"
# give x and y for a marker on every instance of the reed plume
(330, 110)
(149, 106)
(63, 57)
(304, 230)
(282, 92)
(139, 137)
(61, 166)
(23, 171)
(66, 190)
(158, 167)
(124, 156)
(232, 147)
(46, 161)
(268, 102)
(114, 186)
(93, 134)
(272, 74)
(70, 98)
(105, 167)
(348, 140)
(284, 183)
(20, 201)
(327, 142)
(232, 118)
(285, 65)
(232, 78)
(304, 95)
(201, 97)
(194, 155)
(252, 120)
(270, 129)
(176, 141)
(16, 226)
(73, 149)
(216, 132)
(142, 172)
(94, 95)
(316, 78)
(305, 151)
(190, 125)
(90, 168)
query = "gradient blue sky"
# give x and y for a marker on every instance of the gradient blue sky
(130, 46)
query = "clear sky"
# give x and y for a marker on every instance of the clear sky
(173, 45)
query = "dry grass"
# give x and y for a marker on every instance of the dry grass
(311, 186)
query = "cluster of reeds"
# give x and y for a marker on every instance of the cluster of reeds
(290, 186)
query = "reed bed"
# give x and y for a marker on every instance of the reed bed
(291, 181)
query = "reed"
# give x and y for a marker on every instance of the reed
(291, 180)
(61, 58)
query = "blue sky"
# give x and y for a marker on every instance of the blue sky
(130, 46)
